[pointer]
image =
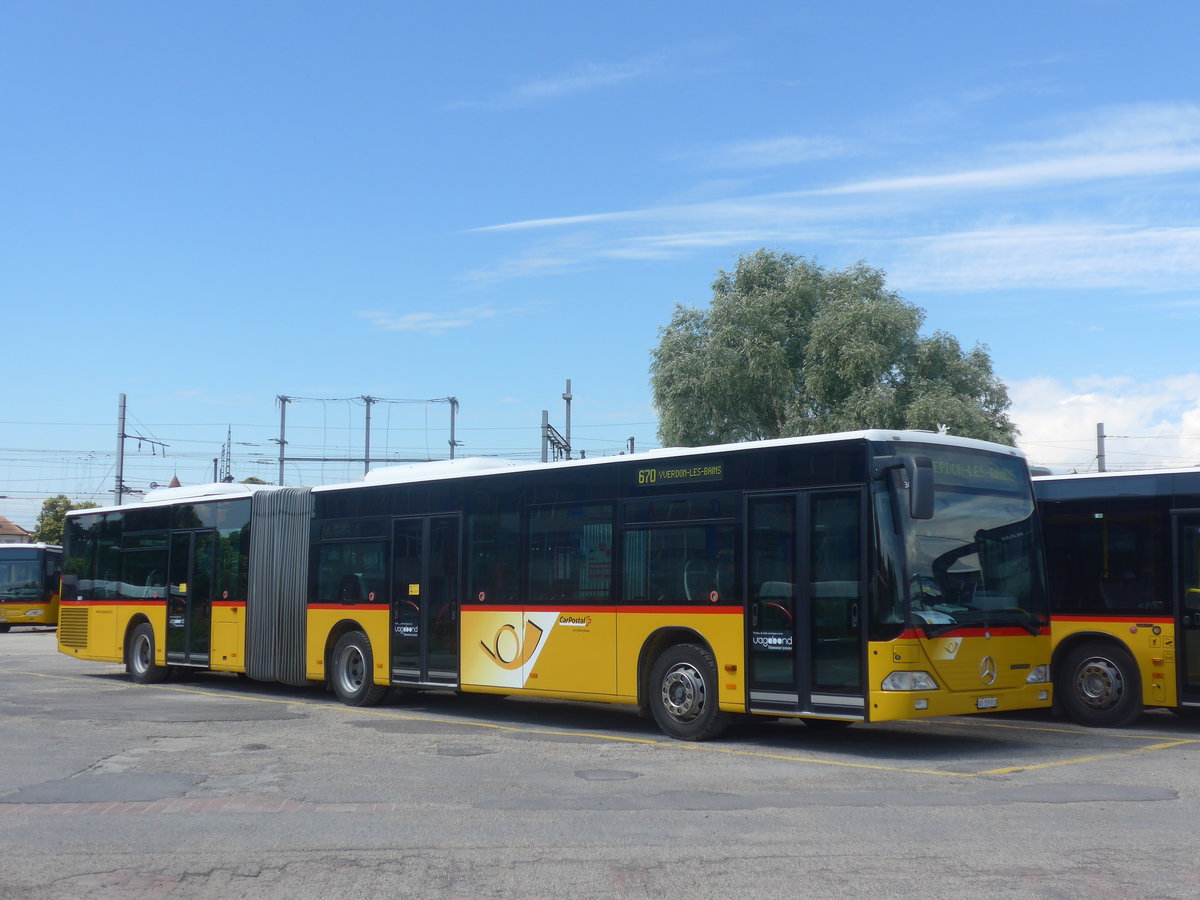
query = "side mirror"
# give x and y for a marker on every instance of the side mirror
(918, 471)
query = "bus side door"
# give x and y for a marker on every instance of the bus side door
(806, 604)
(1187, 599)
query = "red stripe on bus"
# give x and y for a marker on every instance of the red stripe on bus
(1113, 617)
(355, 606)
(916, 634)
(148, 601)
(622, 610)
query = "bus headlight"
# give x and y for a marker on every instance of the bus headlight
(1038, 675)
(910, 681)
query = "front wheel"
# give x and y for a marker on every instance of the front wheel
(139, 657)
(1099, 684)
(352, 671)
(683, 693)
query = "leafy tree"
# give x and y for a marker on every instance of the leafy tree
(788, 348)
(254, 479)
(49, 528)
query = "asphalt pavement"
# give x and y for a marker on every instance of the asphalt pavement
(220, 787)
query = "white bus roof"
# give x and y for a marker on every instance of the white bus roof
(438, 470)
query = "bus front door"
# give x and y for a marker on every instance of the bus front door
(425, 601)
(1187, 634)
(805, 572)
(190, 597)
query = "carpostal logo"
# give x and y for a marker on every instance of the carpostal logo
(575, 621)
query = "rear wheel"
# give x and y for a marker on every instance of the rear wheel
(683, 693)
(1098, 684)
(352, 671)
(139, 657)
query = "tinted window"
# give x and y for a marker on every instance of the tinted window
(570, 554)
(1108, 556)
(692, 564)
(352, 572)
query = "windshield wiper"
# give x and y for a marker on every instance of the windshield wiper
(932, 631)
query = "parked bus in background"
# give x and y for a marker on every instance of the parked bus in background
(29, 584)
(1123, 555)
(858, 577)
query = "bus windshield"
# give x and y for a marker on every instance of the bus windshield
(976, 562)
(21, 576)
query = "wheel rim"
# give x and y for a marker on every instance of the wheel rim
(1099, 683)
(141, 654)
(683, 692)
(352, 670)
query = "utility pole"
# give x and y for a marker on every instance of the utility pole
(1100, 447)
(453, 415)
(283, 402)
(120, 485)
(367, 401)
(567, 397)
(226, 474)
(119, 488)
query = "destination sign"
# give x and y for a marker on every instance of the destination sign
(1005, 474)
(677, 473)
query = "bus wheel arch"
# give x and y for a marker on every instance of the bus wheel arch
(681, 686)
(140, 651)
(1097, 682)
(350, 664)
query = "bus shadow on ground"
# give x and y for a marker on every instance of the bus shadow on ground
(960, 742)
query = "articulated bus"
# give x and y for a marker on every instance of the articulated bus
(1123, 556)
(848, 578)
(29, 584)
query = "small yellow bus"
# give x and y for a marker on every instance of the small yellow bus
(29, 584)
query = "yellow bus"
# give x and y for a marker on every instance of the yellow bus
(858, 577)
(1123, 556)
(29, 584)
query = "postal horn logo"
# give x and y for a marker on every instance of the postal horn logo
(509, 651)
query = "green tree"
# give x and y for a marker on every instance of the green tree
(49, 528)
(788, 348)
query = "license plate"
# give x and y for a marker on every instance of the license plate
(987, 703)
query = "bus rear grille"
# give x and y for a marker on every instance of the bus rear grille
(73, 626)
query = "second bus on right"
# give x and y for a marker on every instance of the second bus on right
(1123, 559)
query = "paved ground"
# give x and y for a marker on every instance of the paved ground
(219, 787)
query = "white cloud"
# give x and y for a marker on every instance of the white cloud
(1077, 255)
(1149, 140)
(1054, 213)
(580, 79)
(1148, 424)
(780, 151)
(430, 322)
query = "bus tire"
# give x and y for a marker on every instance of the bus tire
(1098, 684)
(683, 693)
(139, 657)
(352, 671)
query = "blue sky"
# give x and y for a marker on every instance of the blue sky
(207, 205)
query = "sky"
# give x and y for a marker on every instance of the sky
(210, 205)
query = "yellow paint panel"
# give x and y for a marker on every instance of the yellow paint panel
(541, 650)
